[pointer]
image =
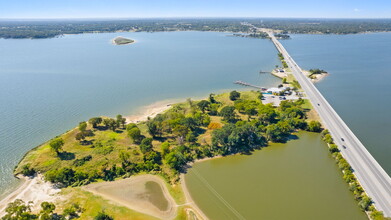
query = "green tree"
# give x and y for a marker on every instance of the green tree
(47, 209)
(365, 203)
(83, 126)
(120, 121)
(27, 171)
(213, 109)
(146, 145)
(110, 123)
(80, 136)
(56, 144)
(154, 128)
(95, 121)
(228, 113)
(180, 130)
(135, 134)
(234, 95)
(314, 126)
(175, 160)
(242, 137)
(153, 156)
(278, 132)
(212, 98)
(267, 114)
(333, 148)
(203, 105)
(284, 80)
(130, 126)
(165, 147)
(103, 216)
(18, 210)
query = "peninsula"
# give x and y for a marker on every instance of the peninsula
(109, 149)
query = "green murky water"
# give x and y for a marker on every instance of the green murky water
(297, 180)
(156, 196)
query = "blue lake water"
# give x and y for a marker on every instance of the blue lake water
(47, 86)
(358, 86)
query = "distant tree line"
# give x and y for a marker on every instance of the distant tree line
(54, 28)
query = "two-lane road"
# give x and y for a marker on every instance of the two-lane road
(373, 178)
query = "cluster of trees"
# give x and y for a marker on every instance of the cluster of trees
(316, 71)
(49, 29)
(264, 123)
(324, 26)
(67, 176)
(241, 137)
(96, 122)
(282, 36)
(364, 202)
(281, 57)
(254, 34)
(83, 132)
(19, 210)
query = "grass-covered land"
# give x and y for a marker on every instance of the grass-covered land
(104, 149)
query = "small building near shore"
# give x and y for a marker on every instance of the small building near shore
(274, 90)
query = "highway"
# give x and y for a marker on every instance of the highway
(372, 177)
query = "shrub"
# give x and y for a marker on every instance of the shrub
(103, 216)
(234, 95)
(333, 148)
(27, 171)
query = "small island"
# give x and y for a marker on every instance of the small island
(122, 41)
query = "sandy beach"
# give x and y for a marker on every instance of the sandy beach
(149, 111)
(33, 189)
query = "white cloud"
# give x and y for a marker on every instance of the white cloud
(356, 10)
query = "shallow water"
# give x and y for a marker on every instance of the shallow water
(297, 180)
(156, 196)
(48, 86)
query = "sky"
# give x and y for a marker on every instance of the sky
(35, 9)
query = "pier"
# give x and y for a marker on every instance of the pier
(249, 85)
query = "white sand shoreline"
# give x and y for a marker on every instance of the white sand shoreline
(150, 111)
(34, 189)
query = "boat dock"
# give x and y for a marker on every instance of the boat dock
(249, 85)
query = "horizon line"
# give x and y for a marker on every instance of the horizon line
(195, 17)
